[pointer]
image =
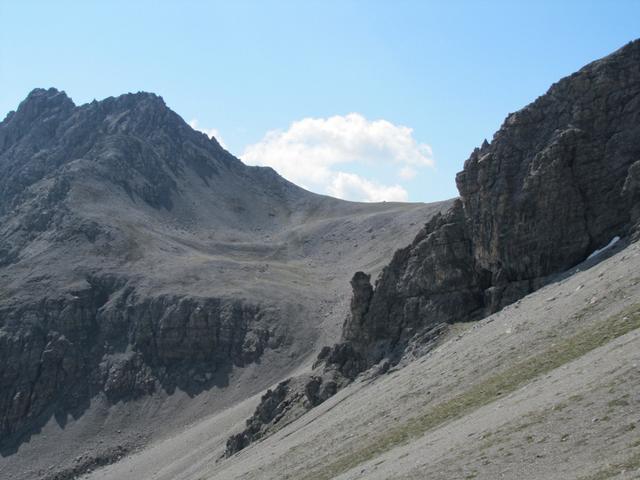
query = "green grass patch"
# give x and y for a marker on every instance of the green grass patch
(485, 392)
(631, 464)
(619, 402)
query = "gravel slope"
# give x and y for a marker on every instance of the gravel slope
(546, 388)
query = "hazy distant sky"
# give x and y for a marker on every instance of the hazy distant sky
(366, 100)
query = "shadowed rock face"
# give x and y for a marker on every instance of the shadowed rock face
(631, 192)
(431, 278)
(60, 352)
(559, 180)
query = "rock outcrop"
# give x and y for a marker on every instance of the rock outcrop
(57, 354)
(559, 180)
(429, 282)
(288, 401)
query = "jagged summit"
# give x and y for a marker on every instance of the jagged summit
(47, 133)
(51, 101)
(141, 112)
(52, 96)
(40, 100)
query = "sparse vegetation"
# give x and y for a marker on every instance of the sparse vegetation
(563, 351)
(618, 402)
(632, 463)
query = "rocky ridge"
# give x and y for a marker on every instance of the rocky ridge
(558, 180)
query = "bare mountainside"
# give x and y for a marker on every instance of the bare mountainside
(145, 269)
(494, 344)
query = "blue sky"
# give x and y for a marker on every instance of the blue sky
(322, 90)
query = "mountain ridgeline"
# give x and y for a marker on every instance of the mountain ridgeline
(138, 258)
(559, 180)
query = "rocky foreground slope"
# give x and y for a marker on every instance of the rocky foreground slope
(558, 181)
(545, 389)
(141, 265)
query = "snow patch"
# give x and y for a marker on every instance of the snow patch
(613, 241)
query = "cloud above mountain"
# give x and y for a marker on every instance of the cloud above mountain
(339, 156)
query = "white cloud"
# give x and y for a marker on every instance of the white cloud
(350, 186)
(311, 151)
(210, 132)
(407, 173)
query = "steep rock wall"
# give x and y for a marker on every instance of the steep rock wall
(560, 179)
(58, 353)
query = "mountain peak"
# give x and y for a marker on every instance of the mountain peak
(52, 100)
(138, 99)
(41, 100)
(47, 94)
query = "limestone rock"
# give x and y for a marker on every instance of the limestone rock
(558, 180)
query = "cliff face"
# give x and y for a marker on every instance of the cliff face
(431, 278)
(559, 180)
(58, 353)
(555, 183)
(549, 188)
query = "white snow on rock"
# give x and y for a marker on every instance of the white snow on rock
(613, 241)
